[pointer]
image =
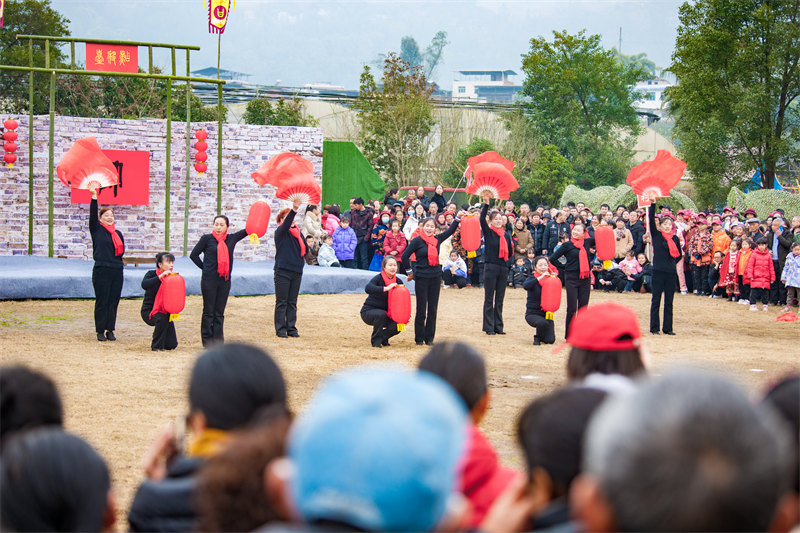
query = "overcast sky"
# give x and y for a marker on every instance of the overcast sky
(303, 42)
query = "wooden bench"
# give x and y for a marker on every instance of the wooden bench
(147, 258)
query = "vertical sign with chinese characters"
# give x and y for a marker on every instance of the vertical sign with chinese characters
(112, 58)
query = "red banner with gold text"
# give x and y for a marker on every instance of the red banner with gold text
(112, 57)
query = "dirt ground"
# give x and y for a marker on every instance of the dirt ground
(118, 394)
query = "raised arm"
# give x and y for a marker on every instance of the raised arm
(449, 231)
(94, 219)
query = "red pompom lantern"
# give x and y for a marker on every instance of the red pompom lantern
(174, 288)
(257, 220)
(400, 306)
(10, 146)
(551, 295)
(201, 156)
(605, 245)
(471, 234)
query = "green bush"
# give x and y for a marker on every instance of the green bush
(622, 194)
(765, 201)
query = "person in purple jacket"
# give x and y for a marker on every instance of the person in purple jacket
(344, 243)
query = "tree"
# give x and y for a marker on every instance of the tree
(735, 105)
(396, 120)
(549, 176)
(580, 99)
(28, 17)
(433, 53)
(281, 113)
(454, 174)
(409, 51)
(640, 60)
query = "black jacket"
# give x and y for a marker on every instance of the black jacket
(554, 229)
(662, 261)
(167, 505)
(491, 241)
(287, 249)
(103, 243)
(637, 231)
(533, 305)
(378, 298)
(207, 245)
(438, 199)
(419, 247)
(572, 255)
(538, 232)
(150, 284)
(362, 222)
(784, 245)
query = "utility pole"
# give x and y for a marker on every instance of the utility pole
(619, 49)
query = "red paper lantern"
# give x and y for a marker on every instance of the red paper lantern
(605, 244)
(200, 167)
(400, 306)
(201, 146)
(201, 135)
(201, 156)
(471, 234)
(257, 220)
(10, 146)
(174, 288)
(551, 295)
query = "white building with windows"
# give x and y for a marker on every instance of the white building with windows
(493, 86)
(652, 99)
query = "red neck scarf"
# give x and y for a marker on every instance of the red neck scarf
(296, 234)
(223, 259)
(119, 248)
(503, 249)
(386, 279)
(433, 253)
(673, 248)
(158, 305)
(583, 256)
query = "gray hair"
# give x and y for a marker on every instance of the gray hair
(688, 452)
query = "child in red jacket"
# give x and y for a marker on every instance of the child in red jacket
(761, 274)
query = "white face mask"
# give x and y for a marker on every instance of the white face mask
(384, 219)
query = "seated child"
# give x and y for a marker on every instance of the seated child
(454, 271)
(153, 314)
(518, 273)
(630, 266)
(327, 256)
(311, 250)
(642, 280)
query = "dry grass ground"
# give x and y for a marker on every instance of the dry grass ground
(118, 394)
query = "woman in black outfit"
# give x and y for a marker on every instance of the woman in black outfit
(666, 255)
(534, 314)
(215, 283)
(164, 337)
(577, 273)
(108, 246)
(428, 276)
(498, 249)
(375, 309)
(290, 248)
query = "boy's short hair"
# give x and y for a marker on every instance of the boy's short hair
(326, 238)
(344, 219)
(761, 240)
(520, 259)
(461, 366)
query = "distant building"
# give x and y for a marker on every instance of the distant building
(228, 75)
(652, 92)
(485, 86)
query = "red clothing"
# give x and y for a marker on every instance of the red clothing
(728, 275)
(760, 271)
(394, 243)
(482, 476)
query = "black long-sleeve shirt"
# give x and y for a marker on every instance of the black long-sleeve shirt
(207, 245)
(102, 242)
(423, 269)
(662, 261)
(287, 248)
(378, 298)
(151, 283)
(533, 305)
(572, 255)
(491, 241)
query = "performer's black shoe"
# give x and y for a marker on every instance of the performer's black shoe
(491, 333)
(294, 334)
(669, 333)
(110, 336)
(419, 343)
(656, 332)
(500, 332)
(536, 341)
(101, 337)
(282, 335)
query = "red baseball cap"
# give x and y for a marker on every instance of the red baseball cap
(604, 327)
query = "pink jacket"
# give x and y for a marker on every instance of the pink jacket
(331, 223)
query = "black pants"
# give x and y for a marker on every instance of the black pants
(757, 294)
(348, 263)
(495, 281)
(215, 297)
(545, 329)
(450, 279)
(700, 275)
(164, 337)
(777, 291)
(363, 254)
(383, 327)
(427, 296)
(578, 291)
(107, 283)
(664, 283)
(287, 287)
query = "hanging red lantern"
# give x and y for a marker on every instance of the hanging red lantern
(10, 146)
(174, 288)
(471, 234)
(551, 295)
(257, 220)
(605, 244)
(201, 156)
(400, 306)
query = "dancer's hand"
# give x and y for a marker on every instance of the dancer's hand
(296, 203)
(391, 286)
(487, 196)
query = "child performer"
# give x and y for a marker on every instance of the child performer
(728, 276)
(153, 314)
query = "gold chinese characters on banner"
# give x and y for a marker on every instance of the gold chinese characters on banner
(218, 11)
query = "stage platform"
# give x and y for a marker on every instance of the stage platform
(23, 277)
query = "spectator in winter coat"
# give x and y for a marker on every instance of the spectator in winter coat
(311, 250)
(424, 200)
(312, 224)
(379, 232)
(761, 273)
(779, 242)
(721, 240)
(554, 231)
(790, 277)
(344, 243)
(700, 247)
(327, 255)
(538, 230)
(637, 229)
(438, 198)
(361, 220)
(523, 240)
(330, 218)
(624, 240)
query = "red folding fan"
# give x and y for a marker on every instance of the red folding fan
(85, 165)
(490, 172)
(303, 187)
(658, 176)
(281, 167)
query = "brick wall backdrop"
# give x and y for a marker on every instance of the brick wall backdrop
(245, 148)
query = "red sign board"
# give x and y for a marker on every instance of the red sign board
(112, 58)
(134, 181)
(643, 200)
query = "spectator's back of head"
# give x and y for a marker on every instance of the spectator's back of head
(460, 365)
(53, 481)
(686, 452)
(28, 399)
(231, 382)
(784, 398)
(378, 450)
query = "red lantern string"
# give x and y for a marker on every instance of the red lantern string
(10, 146)
(201, 156)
